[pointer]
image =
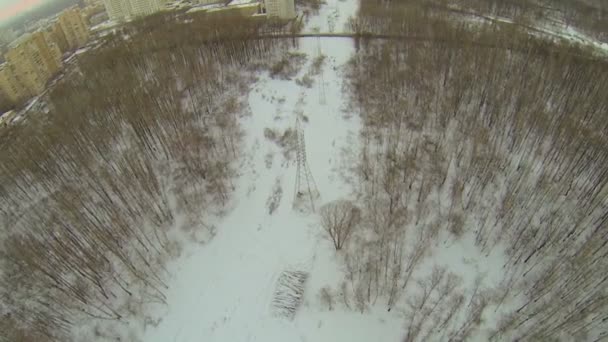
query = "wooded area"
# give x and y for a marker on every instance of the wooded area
(482, 132)
(140, 141)
(506, 146)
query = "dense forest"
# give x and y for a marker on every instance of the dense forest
(480, 132)
(474, 133)
(136, 144)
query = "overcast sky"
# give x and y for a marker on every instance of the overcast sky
(9, 8)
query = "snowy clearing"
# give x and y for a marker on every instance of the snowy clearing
(265, 264)
(223, 291)
(228, 289)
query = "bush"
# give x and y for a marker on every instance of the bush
(326, 297)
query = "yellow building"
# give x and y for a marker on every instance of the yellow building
(32, 61)
(39, 43)
(55, 33)
(10, 86)
(74, 27)
(54, 48)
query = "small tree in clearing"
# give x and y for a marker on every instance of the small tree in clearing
(339, 218)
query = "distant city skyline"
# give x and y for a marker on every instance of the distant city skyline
(11, 8)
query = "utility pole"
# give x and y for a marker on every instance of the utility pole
(305, 188)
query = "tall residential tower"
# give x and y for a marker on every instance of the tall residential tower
(32, 61)
(125, 10)
(74, 28)
(281, 9)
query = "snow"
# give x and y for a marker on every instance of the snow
(205, 7)
(222, 6)
(241, 2)
(574, 35)
(332, 17)
(222, 291)
(550, 29)
(31, 104)
(82, 50)
(104, 25)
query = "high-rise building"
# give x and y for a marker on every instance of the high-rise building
(10, 86)
(125, 10)
(141, 8)
(74, 27)
(34, 58)
(281, 9)
(117, 9)
(54, 48)
(55, 33)
(32, 62)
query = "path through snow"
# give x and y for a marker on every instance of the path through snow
(221, 291)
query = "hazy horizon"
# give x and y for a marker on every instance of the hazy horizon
(12, 8)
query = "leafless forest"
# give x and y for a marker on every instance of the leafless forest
(588, 16)
(479, 132)
(142, 137)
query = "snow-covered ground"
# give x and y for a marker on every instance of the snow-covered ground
(222, 290)
(576, 36)
(332, 16)
(551, 30)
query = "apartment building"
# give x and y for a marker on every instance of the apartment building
(281, 9)
(10, 86)
(74, 27)
(145, 7)
(125, 10)
(30, 62)
(34, 58)
(115, 9)
(33, 61)
(53, 46)
(55, 33)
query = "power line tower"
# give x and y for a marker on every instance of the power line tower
(305, 188)
(321, 80)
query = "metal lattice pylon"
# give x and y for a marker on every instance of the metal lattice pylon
(305, 188)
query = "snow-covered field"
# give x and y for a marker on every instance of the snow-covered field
(222, 290)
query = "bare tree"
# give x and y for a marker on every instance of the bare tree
(339, 219)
